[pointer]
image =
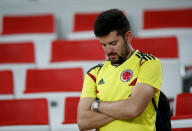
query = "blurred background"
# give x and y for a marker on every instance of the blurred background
(46, 47)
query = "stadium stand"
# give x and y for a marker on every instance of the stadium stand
(28, 24)
(175, 18)
(53, 68)
(84, 21)
(54, 80)
(6, 84)
(37, 28)
(182, 119)
(181, 129)
(83, 25)
(161, 47)
(169, 22)
(166, 21)
(69, 111)
(76, 50)
(71, 104)
(24, 114)
(17, 52)
(183, 108)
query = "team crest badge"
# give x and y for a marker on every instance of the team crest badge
(126, 75)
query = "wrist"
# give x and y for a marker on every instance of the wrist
(95, 105)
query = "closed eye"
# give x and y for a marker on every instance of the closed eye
(110, 43)
(113, 42)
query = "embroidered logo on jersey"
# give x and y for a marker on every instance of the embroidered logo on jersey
(126, 75)
(101, 82)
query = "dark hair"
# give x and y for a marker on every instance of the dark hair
(111, 20)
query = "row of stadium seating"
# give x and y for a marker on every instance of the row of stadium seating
(46, 73)
(67, 52)
(34, 27)
(152, 19)
(36, 112)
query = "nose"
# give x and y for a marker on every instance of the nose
(108, 49)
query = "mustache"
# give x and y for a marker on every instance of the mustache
(112, 53)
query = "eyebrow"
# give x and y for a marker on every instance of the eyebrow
(109, 42)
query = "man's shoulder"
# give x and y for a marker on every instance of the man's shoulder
(146, 58)
(99, 66)
(95, 68)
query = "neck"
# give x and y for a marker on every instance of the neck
(131, 51)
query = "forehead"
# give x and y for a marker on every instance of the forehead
(112, 36)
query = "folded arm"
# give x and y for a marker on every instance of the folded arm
(88, 119)
(133, 106)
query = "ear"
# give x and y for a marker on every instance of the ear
(128, 36)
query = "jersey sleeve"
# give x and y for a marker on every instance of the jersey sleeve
(151, 73)
(89, 85)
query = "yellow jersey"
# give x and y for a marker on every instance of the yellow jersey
(111, 83)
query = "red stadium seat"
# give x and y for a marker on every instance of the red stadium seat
(83, 24)
(71, 104)
(6, 82)
(183, 106)
(84, 21)
(54, 80)
(23, 112)
(182, 129)
(17, 52)
(170, 18)
(28, 24)
(76, 50)
(161, 47)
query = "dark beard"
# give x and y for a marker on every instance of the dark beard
(122, 58)
(119, 61)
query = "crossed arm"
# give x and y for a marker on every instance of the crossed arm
(89, 119)
(109, 111)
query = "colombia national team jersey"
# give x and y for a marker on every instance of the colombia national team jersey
(111, 83)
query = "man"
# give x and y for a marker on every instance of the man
(117, 96)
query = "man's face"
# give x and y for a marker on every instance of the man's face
(115, 47)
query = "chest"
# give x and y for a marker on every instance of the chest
(116, 83)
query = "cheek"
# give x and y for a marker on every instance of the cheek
(119, 49)
(107, 50)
